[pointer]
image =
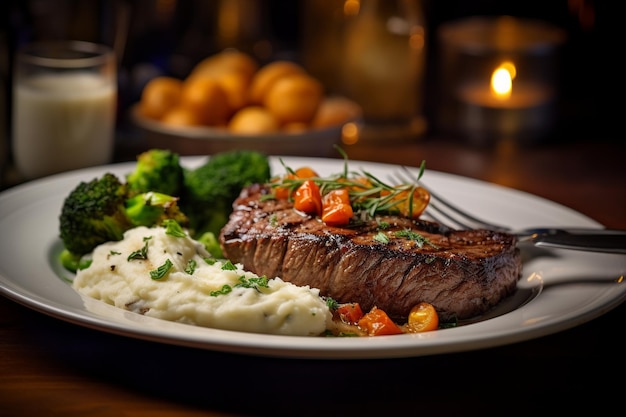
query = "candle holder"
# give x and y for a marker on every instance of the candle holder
(498, 78)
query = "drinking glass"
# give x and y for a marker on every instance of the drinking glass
(64, 107)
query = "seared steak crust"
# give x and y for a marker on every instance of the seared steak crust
(462, 273)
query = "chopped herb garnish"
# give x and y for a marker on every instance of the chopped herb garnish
(331, 303)
(113, 253)
(172, 228)
(381, 237)
(191, 266)
(420, 240)
(161, 271)
(266, 197)
(224, 290)
(141, 253)
(453, 322)
(229, 266)
(253, 282)
(210, 261)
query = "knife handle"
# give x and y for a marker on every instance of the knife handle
(590, 242)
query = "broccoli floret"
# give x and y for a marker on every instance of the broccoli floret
(157, 170)
(210, 189)
(102, 209)
(73, 262)
(224, 175)
(94, 213)
(158, 189)
(152, 208)
(211, 244)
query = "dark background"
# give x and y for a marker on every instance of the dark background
(170, 36)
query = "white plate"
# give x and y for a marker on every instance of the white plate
(559, 289)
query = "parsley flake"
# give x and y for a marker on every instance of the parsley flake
(382, 225)
(162, 270)
(254, 282)
(191, 266)
(229, 266)
(224, 290)
(172, 228)
(419, 239)
(381, 237)
(141, 253)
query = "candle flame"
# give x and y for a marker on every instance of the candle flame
(502, 80)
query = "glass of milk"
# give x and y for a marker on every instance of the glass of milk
(64, 107)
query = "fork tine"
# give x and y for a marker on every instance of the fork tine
(477, 222)
(438, 214)
(440, 208)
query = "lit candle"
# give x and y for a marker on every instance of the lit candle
(498, 78)
(501, 106)
(502, 81)
(501, 91)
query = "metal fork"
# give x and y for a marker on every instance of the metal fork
(446, 213)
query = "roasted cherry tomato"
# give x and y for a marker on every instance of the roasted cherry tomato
(377, 323)
(300, 173)
(336, 208)
(350, 313)
(306, 172)
(422, 318)
(308, 198)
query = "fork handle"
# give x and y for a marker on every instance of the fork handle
(601, 241)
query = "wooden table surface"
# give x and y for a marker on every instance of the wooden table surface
(49, 367)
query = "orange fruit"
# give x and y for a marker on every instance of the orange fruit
(294, 98)
(207, 100)
(160, 95)
(235, 85)
(253, 120)
(180, 116)
(265, 77)
(227, 61)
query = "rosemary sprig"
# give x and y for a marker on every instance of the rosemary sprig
(372, 196)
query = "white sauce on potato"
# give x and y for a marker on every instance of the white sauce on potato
(197, 298)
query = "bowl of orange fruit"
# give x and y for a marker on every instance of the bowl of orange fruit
(228, 101)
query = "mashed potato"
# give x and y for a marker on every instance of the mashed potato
(160, 275)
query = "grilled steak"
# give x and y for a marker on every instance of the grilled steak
(462, 273)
